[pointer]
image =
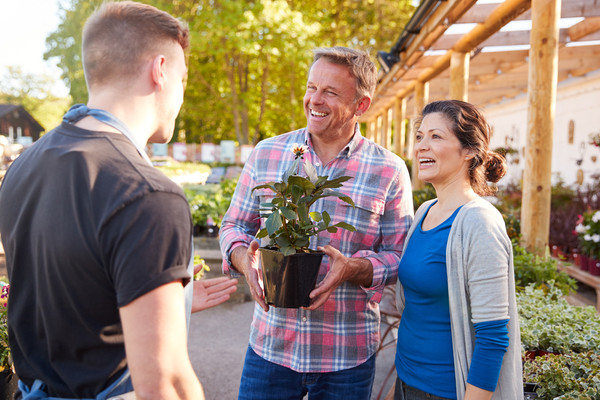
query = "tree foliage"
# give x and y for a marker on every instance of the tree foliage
(249, 59)
(65, 45)
(34, 93)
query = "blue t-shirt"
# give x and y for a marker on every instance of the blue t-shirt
(424, 357)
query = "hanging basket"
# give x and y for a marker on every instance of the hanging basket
(288, 280)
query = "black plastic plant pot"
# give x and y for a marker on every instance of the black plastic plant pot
(529, 391)
(288, 280)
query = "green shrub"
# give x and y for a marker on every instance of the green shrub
(210, 201)
(533, 269)
(422, 195)
(569, 376)
(551, 324)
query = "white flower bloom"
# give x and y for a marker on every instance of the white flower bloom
(596, 216)
(299, 149)
(580, 228)
(596, 238)
(587, 237)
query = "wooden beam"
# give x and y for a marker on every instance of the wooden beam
(459, 76)
(510, 38)
(445, 15)
(541, 103)
(569, 9)
(584, 28)
(500, 16)
(400, 127)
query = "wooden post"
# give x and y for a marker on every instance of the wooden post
(399, 117)
(384, 134)
(421, 99)
(459, 76)
(369, 131)
(377, 129)
(541, 103)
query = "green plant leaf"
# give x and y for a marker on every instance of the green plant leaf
(303, 213)
(326, 218)
(345, 225)
(282, 242)
(297, 192)
(280, 186)
(335, 183)
(347, 200)
(301, 181)
(262, 233)
(288, 251)
(320, 181)
(269, 185)
(273, 223)
(332, 229)
(316, 216)
(288, 214)
(302, 241)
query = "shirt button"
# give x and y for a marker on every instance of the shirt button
(318, 164)
(303, 319)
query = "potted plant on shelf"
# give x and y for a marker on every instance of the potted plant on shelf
(8, 378)
(595, 139)
(289, 267)
(588, 233)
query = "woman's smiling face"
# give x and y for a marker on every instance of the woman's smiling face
(440, 156)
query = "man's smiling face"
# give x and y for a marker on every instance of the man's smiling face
(330, 103)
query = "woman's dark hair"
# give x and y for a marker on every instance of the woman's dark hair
(472, 130)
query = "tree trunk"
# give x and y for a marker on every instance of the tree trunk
(235, 106)
(263, 100)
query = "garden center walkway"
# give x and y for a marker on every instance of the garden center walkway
(219, 338)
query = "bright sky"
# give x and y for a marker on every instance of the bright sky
(24, 25)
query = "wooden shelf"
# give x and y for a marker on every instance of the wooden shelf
(583, 277)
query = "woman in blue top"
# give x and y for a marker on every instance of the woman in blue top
(459, 333)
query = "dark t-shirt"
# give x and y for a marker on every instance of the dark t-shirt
(88, 226)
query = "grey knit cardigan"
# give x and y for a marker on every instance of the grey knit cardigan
(481, 286)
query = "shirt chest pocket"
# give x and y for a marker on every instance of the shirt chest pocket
(263, 199)
(366, 214)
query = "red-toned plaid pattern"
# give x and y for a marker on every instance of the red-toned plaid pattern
(345, 331)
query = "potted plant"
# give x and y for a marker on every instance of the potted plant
(533, 269)
(588, 233)
(570, 376)
(289, 267)
(8, 378)
(551, 325)
(595, 139)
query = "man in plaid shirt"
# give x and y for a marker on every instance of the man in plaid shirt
(327, 349)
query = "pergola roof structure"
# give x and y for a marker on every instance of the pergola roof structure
(497, 36)
(484, 52)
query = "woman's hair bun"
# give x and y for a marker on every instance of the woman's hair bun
(495, 167)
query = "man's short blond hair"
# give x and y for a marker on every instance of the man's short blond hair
(359, 64)
(120, 37)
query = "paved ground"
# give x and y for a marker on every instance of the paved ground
(218, 343)
(219, 339)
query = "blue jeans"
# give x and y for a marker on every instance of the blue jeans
(405, 392)
(264, 380)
